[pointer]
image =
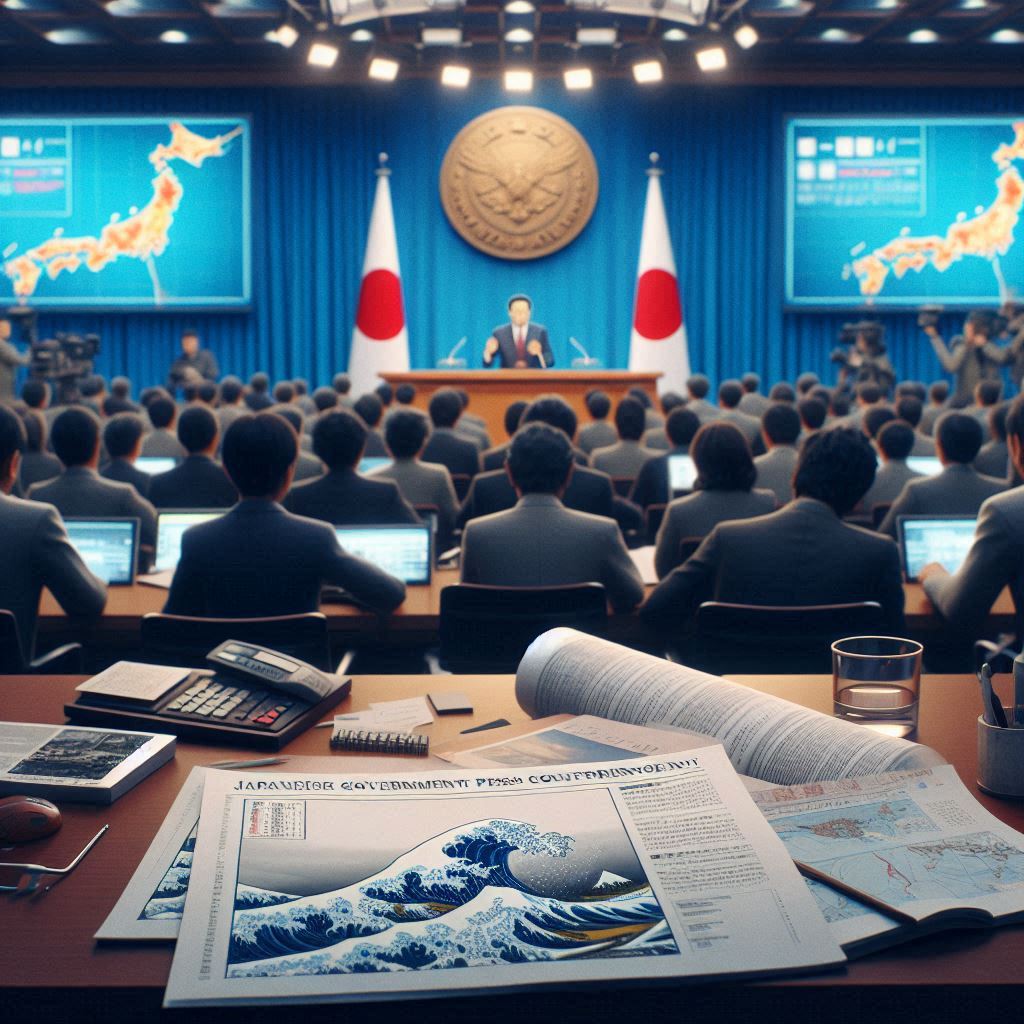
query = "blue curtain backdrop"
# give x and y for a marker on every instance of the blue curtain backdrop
(314, 153)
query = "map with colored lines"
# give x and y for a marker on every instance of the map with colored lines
(130, 212)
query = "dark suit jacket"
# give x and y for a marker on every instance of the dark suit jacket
(446, 448)
(494, 458)
(957, 491)
(801, 555)
(589, 491)
(37, 467)
(507, 347)
(37, 554)
(198, 482)
(651, 487)
(343, 497)
(124, 472)
(258, 560)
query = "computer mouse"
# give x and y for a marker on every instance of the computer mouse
(24, 818)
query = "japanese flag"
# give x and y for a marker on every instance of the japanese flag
(380, 341)
(658, 341)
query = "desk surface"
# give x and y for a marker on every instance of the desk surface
(48, 957)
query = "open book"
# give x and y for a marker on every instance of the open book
(568, 672)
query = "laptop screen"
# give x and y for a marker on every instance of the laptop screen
(681, 473)
(169, 528)
(929, 465)
(942, 539)
(370, 462)
(153, 464)
(403, 551)
(107, 546)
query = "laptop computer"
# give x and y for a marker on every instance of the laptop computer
(371, 462)
(109, 547)
(681, 473)
(929, 465)
(153, 464)
(170, 526)
(404, 550)
(927, 539)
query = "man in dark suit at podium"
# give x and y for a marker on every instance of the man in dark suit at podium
(519, 344)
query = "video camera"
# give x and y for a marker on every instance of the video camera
(928, 316)
(872, 332)
(65, 361)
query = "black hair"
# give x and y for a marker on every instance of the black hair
(812, 412)
(821, 393)
(868, 393)
(259, 382)
(385, 393)
(519, 297)
(258, 451)
(599, 404)
(35, 428)
(197, 429)
(325, 398)
(910, 409)
(959, 436)
(301, 386)
(837, 467)
(989, 392)
(876, 417)
(671, 400)
(283, 391)
(641, 396)
(339, 438)
(751, 382)
(161, 412)
(34, 392)
(806, 381)
(342, 383)
(369, 408)
(463, 397)
(121, 386)
(840, 404)
(231, 389)
(681, 426)
(12, 435)
(122, 433)
(92, 386)
(698, 386)
(206, 392)
(406, 432)
(445, 407)
(997, 421)
(983, 321)
(873, 334)
(781, 422)
(782, 392)
(553, 410)
(896, 439)
(629, 419)
(291, 415)
(513, 414)
(190, 391)
(75, 435)
(190, 332)
(911, 389)
(405, 393)
(729, 393)
(1014, 421)
(938, 392)
(722, 457)
(540, 459)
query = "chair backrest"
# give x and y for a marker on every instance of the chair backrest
(763, 639)
(879, 512)
(12, 658)
(185, 640)
(487, 629)
(622, 485)
(461, 482)
(687, 546)
(652, 520)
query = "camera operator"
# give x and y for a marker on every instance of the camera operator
(10, 360)
(1011, 323)
(193, 365)
(972, 357)
(867, 363)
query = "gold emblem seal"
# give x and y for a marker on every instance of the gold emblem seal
(519, 183)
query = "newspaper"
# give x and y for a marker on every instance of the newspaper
(568, 672)
(343, 887)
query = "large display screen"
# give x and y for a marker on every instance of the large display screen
(898, 212)
(139, 212)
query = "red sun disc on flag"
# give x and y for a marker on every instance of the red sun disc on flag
(658, 312)
(380, 316)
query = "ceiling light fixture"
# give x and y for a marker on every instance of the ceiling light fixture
(746, 36)
(322, 55)
(597, 36)
(383, 69)
(174, 35)
(577, 79)
(519, 7)
(1007, 35)
(362, 35)
(923, 35)
(518, 35)
(712, 58)
(673, 35)
(285, 35)
(647, 71)
(455, 76)
(447, 36)
(518, 80)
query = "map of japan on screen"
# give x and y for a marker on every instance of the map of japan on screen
(125, 212)
(892, 212)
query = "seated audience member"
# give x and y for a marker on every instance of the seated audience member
(909, 409)
(806, 383)
(122, 437)
(540, 542)
(445, 446)
(386, 393)
(938, 395)
(405, 393)
(198, 482)
(782, 392)
(780, 426)
(370, 409)
(342, 496)
(753, 403)
(421, 483)
(812, 413)
(724, 489)
(257, 398)
(307, 466)
(655, 438)
(302, 397)
(472, 426)
(494, 458)
(37, 464)
(994, 457)
(996, 558)
(894, 443)
(697, 388)
(821, 393)
(838, 408)
(959, 489)
(599, 433)
(206, 394)
(162, 441)
(120, 398)
(35, 394)
(653, 486)
(589, 490)
(866, 396)
(875, 418)
(729, 394)
(342, 384)
(652, 418)
(912, 389)
(230, 405)
(283, 393)
(36, 549)
(93, 392)
(803, 554)
(624, 459)
(80, 490)
(987, 395)
(259, 560)
(323, 399)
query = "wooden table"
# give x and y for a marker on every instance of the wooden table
(50, 968)
(492, 391)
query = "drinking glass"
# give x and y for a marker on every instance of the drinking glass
(876, 681)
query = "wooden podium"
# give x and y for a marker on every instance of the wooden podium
(492, 391)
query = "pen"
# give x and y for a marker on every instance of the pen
(259, 763)
(991, 705)
(1018, 691)
(858, 894)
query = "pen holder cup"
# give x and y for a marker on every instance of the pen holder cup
(1000, 759)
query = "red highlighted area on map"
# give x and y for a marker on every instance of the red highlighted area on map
(987, 235)
(141, 236)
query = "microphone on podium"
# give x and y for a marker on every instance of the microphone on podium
(587, 361)
(450, 362)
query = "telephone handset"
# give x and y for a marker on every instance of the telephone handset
(275, 670)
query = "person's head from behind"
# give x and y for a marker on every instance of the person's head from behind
(938, 392)
(806, 381)
(301, 386)
(259, 382)
(162, 412)
(406, 432)
(910, 410)
(599, 404)
(821, 393)
(385, 393)
(445, 408)
(730, 392)
(698, 386)
(958, 438)
(197, 430)
(339, 438)
(259, 455)
(405, 393)
(93, 387)
(840, 404)
(868, 394)
(997, 421)
(12, 444)
(513, 414)
(722, 457)
(895, 441)
(780, 424)
(875, 418)
(231, 391)
(370, 409)
(519, 309)
(641, 396)
(912, 389)
(681, 426)
(835, 467)
(122, 436)
(75, 437)
(206, 392)
(979, 326)
(284, 392)
(342, 383)
(751, 382)
(189, 343)
(35, 394)
(671, 400)
(540, 460)
(290, 415)
(812, 413)
(325, 398)
(988, 393)
(629, 419)
(782, 392)
(553, 410)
